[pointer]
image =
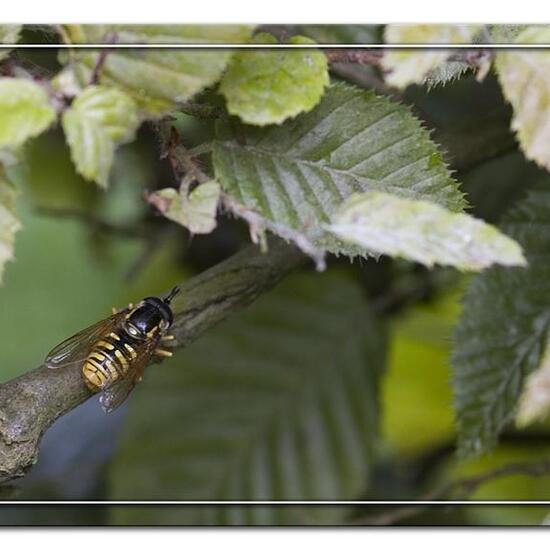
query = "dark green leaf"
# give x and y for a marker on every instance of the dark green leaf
(503, 329)
(534, 402)
(298, 173)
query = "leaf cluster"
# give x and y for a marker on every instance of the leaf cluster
(273, 140)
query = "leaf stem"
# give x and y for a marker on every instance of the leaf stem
(358, 57)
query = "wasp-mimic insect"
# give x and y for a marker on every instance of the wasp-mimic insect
(115, 351)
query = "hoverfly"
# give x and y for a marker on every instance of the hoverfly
(115, 351)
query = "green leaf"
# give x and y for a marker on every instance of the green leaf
(25, 111)
(267, 87)
(523, 75)
(9, 34)
(279, 403)
(258, 225)
(9, 223)
(98, 120)
(197, 211)
(297, 174)
(157, 79)
(423, 232)
(411, 66)
(109, 109)
(503, 329)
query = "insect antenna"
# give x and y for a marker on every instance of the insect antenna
(174, 292)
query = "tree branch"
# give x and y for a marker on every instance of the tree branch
(30, 403)
(474, 57)
(359, 57)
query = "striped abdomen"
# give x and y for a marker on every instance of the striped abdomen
(110, 358)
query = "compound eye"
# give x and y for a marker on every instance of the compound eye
(132, 330)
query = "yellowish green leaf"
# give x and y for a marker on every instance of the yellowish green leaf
(157, 79)
(98, 120)
(197, 211)
(267, 87)
(25, 111)
(412, 66)
(422, 231)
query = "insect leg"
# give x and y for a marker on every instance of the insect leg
(115, 310)
(163, 353)
(168, 337)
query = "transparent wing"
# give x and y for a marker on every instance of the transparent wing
(76, 348)
(114, 395)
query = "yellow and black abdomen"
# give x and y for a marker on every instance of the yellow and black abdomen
(110, 359)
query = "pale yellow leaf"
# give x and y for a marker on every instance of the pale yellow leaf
(525, 80)
(196, 211)
(422, 231)
(412, 66)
